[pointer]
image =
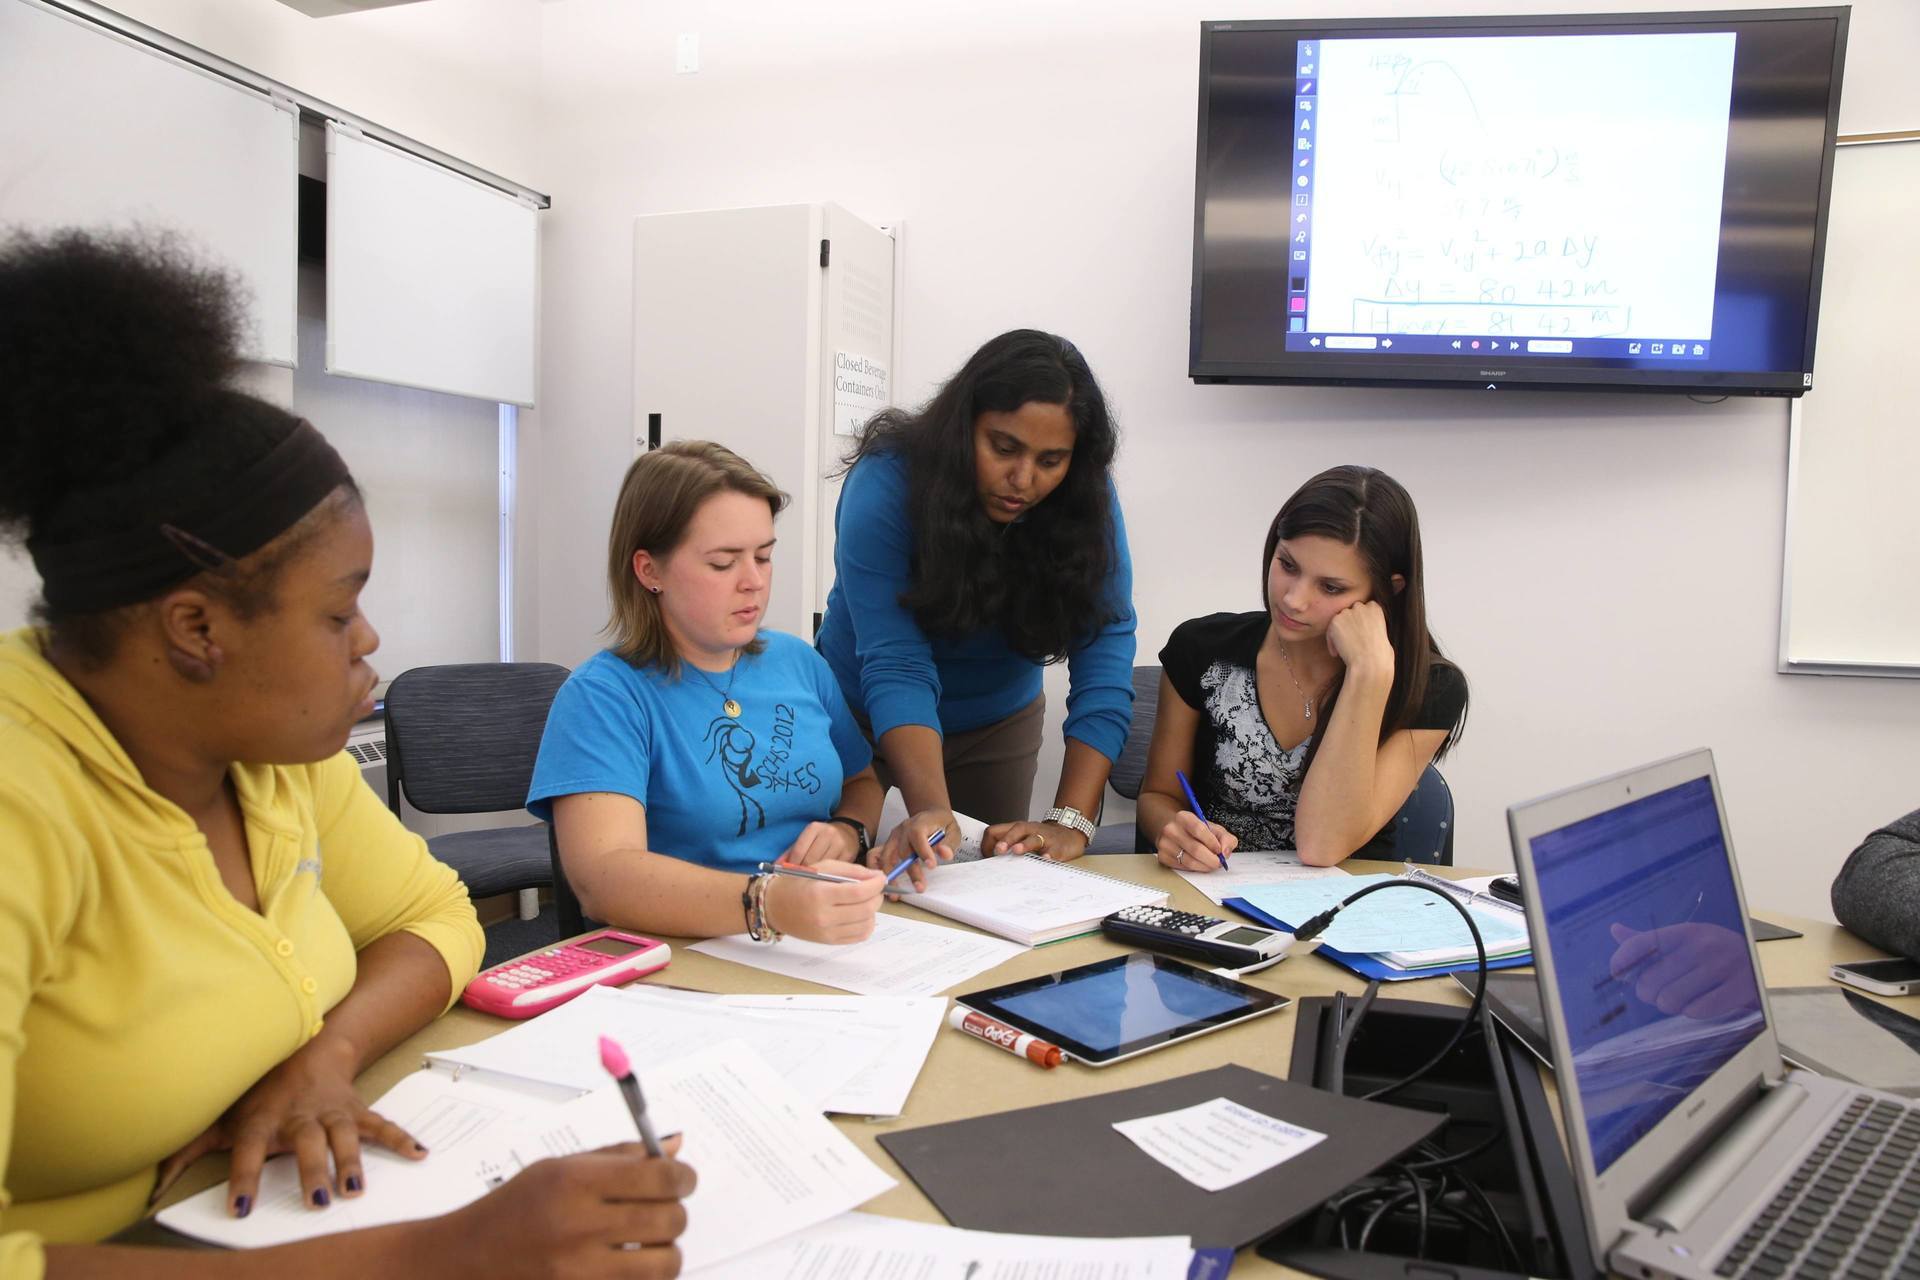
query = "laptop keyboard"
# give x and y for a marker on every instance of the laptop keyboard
(1849, 1210)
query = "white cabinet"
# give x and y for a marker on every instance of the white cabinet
(770, 330)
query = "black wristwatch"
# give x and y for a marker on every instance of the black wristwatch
(859, 832)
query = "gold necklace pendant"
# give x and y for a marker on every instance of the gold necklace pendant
(728, 703)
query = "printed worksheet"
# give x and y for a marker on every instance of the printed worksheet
(1253, 869)
(1218, 1144)
(562, 1046)
(902, 958)
(863, 1245)
(769, 1164)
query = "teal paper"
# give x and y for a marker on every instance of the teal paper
(1397, 920)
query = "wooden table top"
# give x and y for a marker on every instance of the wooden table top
(964, 1078)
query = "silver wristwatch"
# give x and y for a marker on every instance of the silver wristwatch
(1073, 818)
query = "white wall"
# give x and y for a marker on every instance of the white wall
(460, 75)
(427, 465)
(1607, 569)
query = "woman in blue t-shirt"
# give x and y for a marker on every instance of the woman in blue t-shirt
(1307, 724)
(697, 745)
(978, 540)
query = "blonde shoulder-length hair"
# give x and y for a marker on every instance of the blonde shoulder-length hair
(662, 491)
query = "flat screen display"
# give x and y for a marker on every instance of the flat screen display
(1650, 958)
(1114, 1008)
(1630, 202)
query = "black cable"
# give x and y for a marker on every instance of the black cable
(1507, 1246)
(1337, 1072)
(1420, 1200)
(1443, 1158)
(1380, 1211)
(1318, 924)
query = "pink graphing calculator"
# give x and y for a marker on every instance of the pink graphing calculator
(536, 983)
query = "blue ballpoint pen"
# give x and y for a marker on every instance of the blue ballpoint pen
(1198, 812)
(904, 863)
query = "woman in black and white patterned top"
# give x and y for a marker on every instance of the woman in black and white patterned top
(1306, 725)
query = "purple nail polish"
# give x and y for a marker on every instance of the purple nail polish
(353, 1182)
(242, 1206)
(320, 1197)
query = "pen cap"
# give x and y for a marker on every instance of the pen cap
(614, 1058)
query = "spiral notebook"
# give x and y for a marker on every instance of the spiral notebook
(1028, 898)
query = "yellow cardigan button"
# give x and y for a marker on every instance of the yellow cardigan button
(284, 946)
(309, 986)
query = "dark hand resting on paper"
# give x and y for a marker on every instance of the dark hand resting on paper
(615, 1212)
(1694, 969)
(305, 1105)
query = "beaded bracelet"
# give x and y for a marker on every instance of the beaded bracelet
(754, 902)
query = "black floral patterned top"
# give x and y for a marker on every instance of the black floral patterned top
(1244, 779)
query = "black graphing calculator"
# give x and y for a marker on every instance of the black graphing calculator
(1223, 942)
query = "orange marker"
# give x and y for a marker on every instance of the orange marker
(1000, 1035)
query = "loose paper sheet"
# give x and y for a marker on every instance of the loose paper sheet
(1218, 1144)
(769, 1164)
(902, 958)
(655, 1026)
(1394, 921)
(467, 1126)
(907, 1023)
(1251, 868)
(862, 1245)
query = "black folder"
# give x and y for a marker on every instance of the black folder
(1062, 1169)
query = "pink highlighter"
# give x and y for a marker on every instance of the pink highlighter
(614, 1059)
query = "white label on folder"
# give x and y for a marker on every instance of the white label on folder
(1218, 1144)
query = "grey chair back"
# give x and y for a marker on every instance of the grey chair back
(1130, 770)
(463, 738)
(1423, 829)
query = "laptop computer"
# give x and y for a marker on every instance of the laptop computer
(1697, 1152)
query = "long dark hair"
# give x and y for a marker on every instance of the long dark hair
(1372, 512)
(1043, 580)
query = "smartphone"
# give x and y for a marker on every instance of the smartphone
(1882, 977)
(1506, 888)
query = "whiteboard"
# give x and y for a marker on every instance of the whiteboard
(98, 131)
(1850, 599)
(432, 278)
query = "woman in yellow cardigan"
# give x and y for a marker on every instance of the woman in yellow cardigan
(208, 924)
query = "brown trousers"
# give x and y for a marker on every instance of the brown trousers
(989, 770)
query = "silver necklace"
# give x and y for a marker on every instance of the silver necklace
(727, 704)
(1306, 703)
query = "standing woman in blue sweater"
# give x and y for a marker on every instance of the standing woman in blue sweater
(978, 540)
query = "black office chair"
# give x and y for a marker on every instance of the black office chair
(566, 903)
(1423, 829)
(462, 739)
(1130, 770)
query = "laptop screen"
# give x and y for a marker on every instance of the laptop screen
(1650, 956)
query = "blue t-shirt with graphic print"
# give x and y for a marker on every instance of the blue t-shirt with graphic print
(719, 791)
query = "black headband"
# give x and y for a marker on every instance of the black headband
(252, 509)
